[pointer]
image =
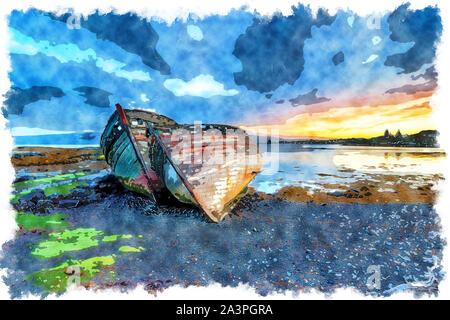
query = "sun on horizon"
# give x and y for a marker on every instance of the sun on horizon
(356, 122)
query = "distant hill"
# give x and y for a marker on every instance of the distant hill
(425, 138)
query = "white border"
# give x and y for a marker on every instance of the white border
(169, 10)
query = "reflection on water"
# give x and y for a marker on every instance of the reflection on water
(391, 160)
(312, 166)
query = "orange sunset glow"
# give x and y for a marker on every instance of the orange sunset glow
(357, 122)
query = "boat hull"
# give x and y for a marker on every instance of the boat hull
(208, 166)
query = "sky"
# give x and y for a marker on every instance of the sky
(309, 74)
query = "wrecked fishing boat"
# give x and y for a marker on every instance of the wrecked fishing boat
(205, 165)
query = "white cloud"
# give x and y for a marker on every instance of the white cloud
(194, 32)
(23, 44)
(371, 58)
(144, 97)
(350, 21)
(376, 40)
(114, 66)
(201, 86)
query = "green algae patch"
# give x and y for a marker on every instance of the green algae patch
(63, 188)
(68, 240)
(59, 278)
(58, 189)
(29, 221)
(49, 180)
(115, 237)
(128, 249)
(110, 238)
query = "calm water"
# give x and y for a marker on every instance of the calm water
(312, 166)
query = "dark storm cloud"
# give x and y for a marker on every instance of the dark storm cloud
(17, 98)
(307, 99)
(95, 96)
(128, 31)
(413, 88)
(423, 27)
(338, 58)
(271, 52)
(430, 74)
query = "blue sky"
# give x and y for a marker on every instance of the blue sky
(238, 69)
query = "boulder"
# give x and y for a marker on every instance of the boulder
(352, 193)
(68, 203)
(337, 194)
(33, 196)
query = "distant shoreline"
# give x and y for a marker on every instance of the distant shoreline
(422, 139)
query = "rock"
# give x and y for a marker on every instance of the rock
(364, 188)
(337, 194)
(22, 205)
(69, 203)
(94, 197)
(44, 203)
(79, 191)
(352, 193)
(33, 196)
(367, 194)
(55, 198)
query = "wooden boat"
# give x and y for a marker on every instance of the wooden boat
(206, 165)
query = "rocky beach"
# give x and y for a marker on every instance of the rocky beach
(77, 224)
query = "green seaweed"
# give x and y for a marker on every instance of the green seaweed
(58, 243)
(68, 240)
(57, 189)
(131, 249)
(48, 180)
(59, 278)
(17, 196)
(29, 221)
(114, 237)
(110, 238)
(63, 188)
